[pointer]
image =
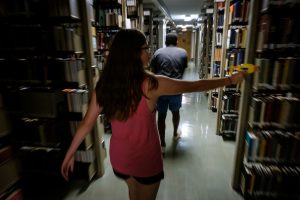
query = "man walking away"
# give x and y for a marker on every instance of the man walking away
(170, 61)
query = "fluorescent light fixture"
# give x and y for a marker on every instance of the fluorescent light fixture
(147, 12)
(209, 11)
(131, 3)
(183, 17)
(184, 26)
(187, 18)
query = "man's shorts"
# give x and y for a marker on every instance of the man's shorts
(173, 102)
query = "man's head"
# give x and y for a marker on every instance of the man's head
(171, 39)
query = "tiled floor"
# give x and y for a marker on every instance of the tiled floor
(198, 167)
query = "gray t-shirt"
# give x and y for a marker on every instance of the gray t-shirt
(170, 61)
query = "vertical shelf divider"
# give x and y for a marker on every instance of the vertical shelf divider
(89, 59)
(246, 94)
(213, 50)
(223, 62)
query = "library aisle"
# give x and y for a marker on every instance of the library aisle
(199, 166)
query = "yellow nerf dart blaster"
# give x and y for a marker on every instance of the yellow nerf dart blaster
(249, 68)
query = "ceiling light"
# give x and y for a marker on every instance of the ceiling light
(187, 18)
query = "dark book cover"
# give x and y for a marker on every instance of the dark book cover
(6, 153)
(264, 31)
(16, 195)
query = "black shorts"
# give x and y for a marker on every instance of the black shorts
(143, 180)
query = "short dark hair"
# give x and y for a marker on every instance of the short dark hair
(171, 39)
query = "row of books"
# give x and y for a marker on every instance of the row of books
(216, 69)
(35, 37)
(36, 8)
(67, 38)
(235, 57)
(73, 126)
(41, 160)
(103, 40)
(66, 70)
(44, 71)
(231, 103)
(31, 102)
(87, 156)
(39, 132)
(273, 181)
(237, 37)
(272, 146)
(229, 124)
(267, 4)
(47, 133)
(64, 8)
(275, 111)
(76, 99)
(279, 31)
(109, 1)
(113, 19)
(220, 21)
(132, 11)
(22, 37)
(110, 17)
(239, 11)
(232, 88)
(281, 73)
(218, 54)
(87, 142)
(100, 61)
(147, 30)
(219, 36)
(214, 97)
(20, 69)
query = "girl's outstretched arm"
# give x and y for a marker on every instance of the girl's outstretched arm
(84, 128)
(169, 86)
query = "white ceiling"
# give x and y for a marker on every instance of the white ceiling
(177, 9)
(183, 7)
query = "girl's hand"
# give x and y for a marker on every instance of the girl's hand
(67, 167)
(237, 77)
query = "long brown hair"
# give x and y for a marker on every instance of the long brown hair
(119, 89)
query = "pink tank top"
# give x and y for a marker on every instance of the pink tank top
(135, 144)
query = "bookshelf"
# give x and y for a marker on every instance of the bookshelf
(208, 45)
(218, 23)
(267, 152)
(202, 33)
(135, 14)
(46, 81)
(206, 40)
(235, 25)
(110, 17)
(150, 29)
(9, 166)
(109, 20)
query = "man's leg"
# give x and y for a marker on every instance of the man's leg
(175, 120)
(161, 124)
(175, 105)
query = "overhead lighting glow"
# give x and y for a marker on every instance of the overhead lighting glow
(184, 26)
(183, 17)
(187, 18)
